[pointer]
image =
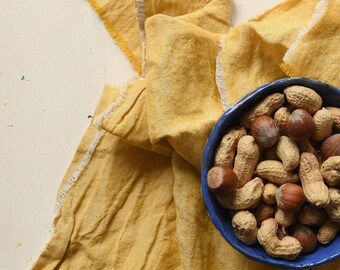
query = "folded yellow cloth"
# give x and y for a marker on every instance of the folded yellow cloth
(315, 53)
(131, 197)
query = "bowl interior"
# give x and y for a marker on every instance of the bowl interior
(219, 215)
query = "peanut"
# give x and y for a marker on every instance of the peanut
(244, 225)
(330, 170)
(284, 219)
(303, 97)
(312, 216)
(323, 122)
(246, 159)
(306, 146)
(265, 107)
(333, 208)
(288, 151)
(335, 112)
(274, 171)
(281, 117)
(312, 182)
(268, 195)
(287, 248)
(327, 232)
(245, 197)
(225, 152)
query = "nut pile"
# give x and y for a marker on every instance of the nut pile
(278, 173)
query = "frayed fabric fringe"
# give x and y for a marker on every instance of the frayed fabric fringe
(90, 150)
(140, 15)
(219, 77)
(117, 37)
(290, 71)
(319, 11)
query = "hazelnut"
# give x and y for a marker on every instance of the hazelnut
(331, 146)
(290, 197)
(306, 237)
(265, 131)
(300, 125)
(312, 216)
(262, 212)
(222, 180)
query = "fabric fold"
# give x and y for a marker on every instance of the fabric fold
(183, 102)
(317, 46)
(253, 51)
(130, 121)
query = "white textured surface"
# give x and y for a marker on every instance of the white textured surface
(55, 57)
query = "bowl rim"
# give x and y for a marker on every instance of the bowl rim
(281, 83)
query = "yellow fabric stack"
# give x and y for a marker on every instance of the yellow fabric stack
(131, 197)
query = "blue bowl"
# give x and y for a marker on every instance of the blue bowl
(219, 215)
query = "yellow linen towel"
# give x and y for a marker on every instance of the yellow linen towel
(120, 19)
(261, 44)
(317, 47)
(131, 197)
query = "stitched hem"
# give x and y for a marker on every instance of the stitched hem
(117, 37)
(106, 115)
(75, 175)
(92, 147)
(219, 77)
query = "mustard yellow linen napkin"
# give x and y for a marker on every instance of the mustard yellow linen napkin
(261, 44)
(119, 18)
(131, 197)
(315, 53)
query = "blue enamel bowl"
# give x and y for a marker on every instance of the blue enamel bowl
(219, 215)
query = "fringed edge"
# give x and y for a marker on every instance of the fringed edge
(91, 148)
(103, 116)
(289, 70)
(75, 175)
(319, 11)
(106, 115)
(219, 77)
(140, 15)
(117, 37)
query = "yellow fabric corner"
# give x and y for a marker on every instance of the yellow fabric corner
(130, 120)
(316, 53)
(119, 19)
(214, 17)
(252, 52)
(131, 198)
